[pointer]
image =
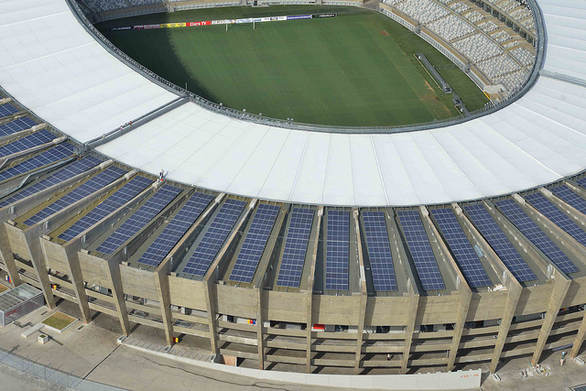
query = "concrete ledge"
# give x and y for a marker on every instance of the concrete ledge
(460, 380)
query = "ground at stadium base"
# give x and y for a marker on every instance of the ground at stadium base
(356, 69)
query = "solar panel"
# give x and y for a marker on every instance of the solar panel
(24, 143)
(69, 171)
(499, 242)
(214, 238)
(582, 182)
(92, 185)
(152, 207)
(175, 230)
(337, 249)
(7, 109)
(462, 250)
(570, 197)
(127, 192)
(420, 250)
(254, 243)
(556, 216)
(50, 156)
(295, 247)
(16, 125)
(535, 235)
(379, 250)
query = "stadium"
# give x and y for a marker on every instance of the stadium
(360, 188)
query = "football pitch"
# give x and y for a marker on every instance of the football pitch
(356, 69)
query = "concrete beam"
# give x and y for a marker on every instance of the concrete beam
(513, 286)
(162, 287)
(579, 340)
(558, 292)
(363, 294)
(118, 295)
(464, 291)
(309, 293)
(260, 342)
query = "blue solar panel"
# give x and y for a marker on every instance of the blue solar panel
(7, 109)
(582, 182)
(254, 243)
(175, 230)
(420, 250)
(549, 210)
(462, 250)
(570, 197)
(92, 185)
(295, 247)
(67, 172)
(499, 242)
(379, 251)
(16, 125)
(214, 238)
(140, 218)
(535, 235)
(48, 157)
(24, 143)
(337, 249)
(109, 205)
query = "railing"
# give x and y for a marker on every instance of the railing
(51, 376)
(489, 108)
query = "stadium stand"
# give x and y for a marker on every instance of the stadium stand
(489, 46)
(401, 288)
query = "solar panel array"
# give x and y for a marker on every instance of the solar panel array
(295, 247)
(50, 156)
(582, 182)
(175, 230)
(337, 249)
(460, 246)
(16, 125)
(420, 250)
(528, 228)
(499, 242)
(7, 109)
(570, 197)
(92, 185)
(254, 243)
(127, 192)
(379, 250)
(69, 171)
(24, 143)
(549, 210)
(152, 207)
(214, 238)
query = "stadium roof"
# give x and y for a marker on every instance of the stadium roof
(55, 68)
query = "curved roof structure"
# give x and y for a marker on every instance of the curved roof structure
(52, 65)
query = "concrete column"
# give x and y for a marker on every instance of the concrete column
(40, 267)
(162, 286)
(72, 258)
(363, 295)
(514, 292)
(118, 296)
(465, 297)
(409, 329)
(259, 324)
(6, 255)
(579, 337)
(309, 297)
(558, 293)
(211, 299)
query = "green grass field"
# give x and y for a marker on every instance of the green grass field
(357, 69)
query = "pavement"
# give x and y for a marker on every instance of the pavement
(91, 352)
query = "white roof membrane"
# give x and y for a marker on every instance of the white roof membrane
(71, 81)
